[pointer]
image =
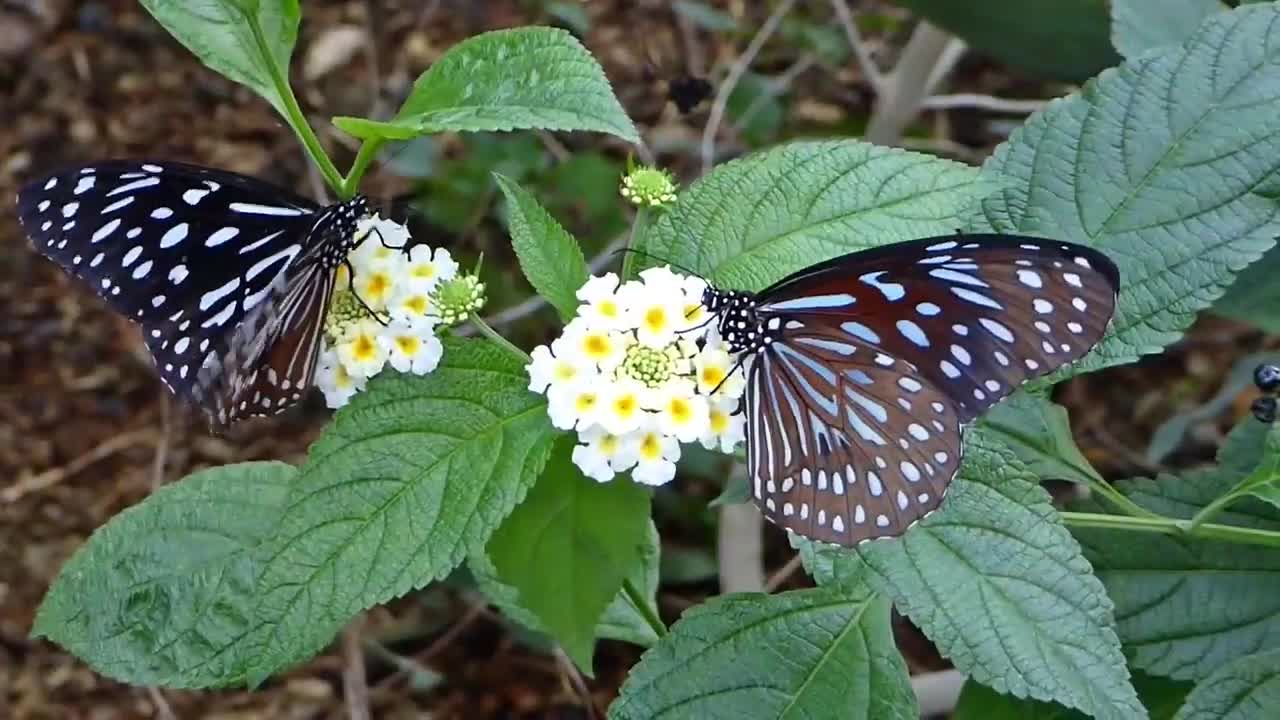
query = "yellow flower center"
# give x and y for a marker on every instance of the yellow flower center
(650, 448)
(655, 319)
(694, 312)
(585, 402)
(680, 410)
(609, 445)
(364, 348)
(417, 304)
(408, 344)
(719, 422)
(565, 371)
(377, 286)
(426, 271)
(341, 378)
(712, 376)
(626, 405)
(596, 346)
(609, 308)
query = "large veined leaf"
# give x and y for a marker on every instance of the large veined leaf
(409, 479)
(1139, 25)
(567, 548)
(1245, 689)
(1184, 607)
(621, 619)
(803, 654)
(163, 594)
(1168, 164)
(998, 584)
(248, 42)
(751, 221)
(533, 77)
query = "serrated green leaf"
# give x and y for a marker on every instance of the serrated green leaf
(549, 256)
(163, 594)
(1056, 39)
(1169, 164)
(410, 478)
(1184, 607)
(801, 654)
(1140, 25)
(1245, 689)
(753, 220)
(1039, 432)
(248, 42)
(998, 584)
(533, 77)
(567, 548)
(621, 620)
(1254, 297)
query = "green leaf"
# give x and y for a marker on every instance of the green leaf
(567, 548)
(995, 580)
(621, 620)
(753, 220)
(1254, 297)
(164, 593)
(1184, 607)
(549, 256)
(1039, 432)
(1140, 25)
(1161, 697)
(534, 77)
(1246, 689)
(1056, 39)
(248, 42)
(801, 654)
(1169, 164)
(409, 479)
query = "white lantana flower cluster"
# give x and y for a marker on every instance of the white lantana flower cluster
(638, 372)
(400, 288)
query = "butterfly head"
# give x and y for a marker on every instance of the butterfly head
(739, 324)
(336, 229)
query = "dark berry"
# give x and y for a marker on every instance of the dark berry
(1267, 377)
(1264, 408)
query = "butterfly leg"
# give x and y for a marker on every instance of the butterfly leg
(351, 285)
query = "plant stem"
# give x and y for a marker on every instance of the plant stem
(642, 606)
(1169, 526)
(1120, 500)
(364, 157)
(502, 342)
(1208, 511)
(639, 224)
(297, 120)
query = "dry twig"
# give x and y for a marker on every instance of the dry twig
(861, 53)
(355, 683)
(53, 476)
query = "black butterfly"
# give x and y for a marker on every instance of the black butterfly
(228, 276)
(865, 369)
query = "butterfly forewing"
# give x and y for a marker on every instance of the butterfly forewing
(200, 258)
(888, 352)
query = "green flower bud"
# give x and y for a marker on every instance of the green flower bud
(649, 187)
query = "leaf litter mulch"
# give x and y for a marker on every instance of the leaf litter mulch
(87, 431)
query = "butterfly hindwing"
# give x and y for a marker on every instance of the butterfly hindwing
(867, 367)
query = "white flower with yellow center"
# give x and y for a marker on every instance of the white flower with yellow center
(683, 414)
(412, 346)
(714, 368)
(620, 406)
(656, 456)
(603, 455)
(359, 350)
(575, 404)
(408, 302)
(547, 369)
(334, 381)
(586, 345)
(601, 306)
(428, 268)
(725, 427)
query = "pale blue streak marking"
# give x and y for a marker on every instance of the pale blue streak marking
(862, 428)
(892, 291)
(832, 345)
(789, 356)
(913, 332)
(874, 409)
(811, 303)
(860, 331)
(957, 277)
(859, 377)
(976, 298)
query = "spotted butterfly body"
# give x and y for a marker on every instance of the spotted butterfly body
(864, 370)
(229, 276)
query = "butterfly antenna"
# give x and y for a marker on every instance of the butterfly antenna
(736, 367)
(351, 285)
(663, 260)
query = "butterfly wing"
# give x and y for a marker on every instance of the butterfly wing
(887, 354)
(187, 252)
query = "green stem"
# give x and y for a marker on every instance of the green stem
(639, 224)
(502, 342)
(643, 607)
(1208, 511)
(364, 157)
(1120, 500)
(1168, 526)
(297, 120)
